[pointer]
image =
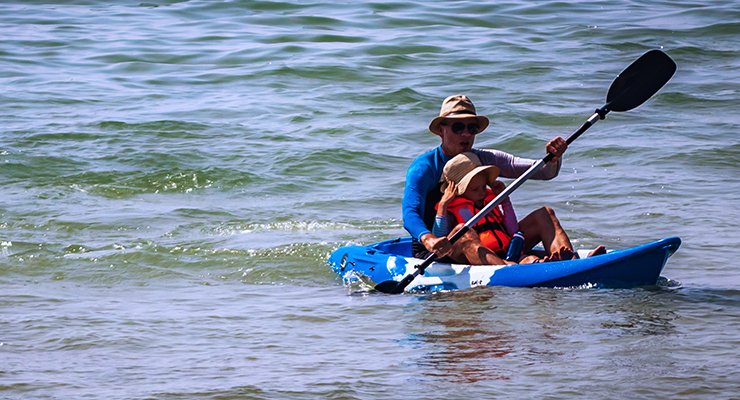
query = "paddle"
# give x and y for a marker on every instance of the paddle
(637, 83)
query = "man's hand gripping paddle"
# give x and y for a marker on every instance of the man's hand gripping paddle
(637, 83)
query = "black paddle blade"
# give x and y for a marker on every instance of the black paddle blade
(638, 82)
(394, 287)
(386, 287)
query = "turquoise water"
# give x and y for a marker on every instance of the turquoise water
(174, 175)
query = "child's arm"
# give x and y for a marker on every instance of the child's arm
(441, 227)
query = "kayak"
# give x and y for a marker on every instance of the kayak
(392, 260)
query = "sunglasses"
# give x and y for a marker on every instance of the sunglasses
(459, 127)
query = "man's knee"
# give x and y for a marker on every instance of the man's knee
(457, 228)
(470, 237)
(545, 213)
(539, 221)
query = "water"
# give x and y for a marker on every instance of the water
(174, 175)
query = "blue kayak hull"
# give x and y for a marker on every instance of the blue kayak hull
(392, 260)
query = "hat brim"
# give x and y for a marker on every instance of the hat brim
(491, 172)
(482, 121)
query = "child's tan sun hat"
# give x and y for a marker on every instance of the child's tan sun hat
(463, 167)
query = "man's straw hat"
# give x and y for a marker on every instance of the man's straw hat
(457, 106)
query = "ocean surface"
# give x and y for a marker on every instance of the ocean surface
(174, 174)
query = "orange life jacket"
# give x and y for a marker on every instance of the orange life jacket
(490, 228)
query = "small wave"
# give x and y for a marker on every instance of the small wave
(719, 156)
(290, 226)
(163, 128)
(122, 184)
(116, 184)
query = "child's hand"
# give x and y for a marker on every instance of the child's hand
(499, 187)
(449, 194)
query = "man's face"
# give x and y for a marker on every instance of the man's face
(456, 135)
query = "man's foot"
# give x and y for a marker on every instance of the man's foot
(597, 251)
(563, 254)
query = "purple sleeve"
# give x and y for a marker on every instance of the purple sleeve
(511, 166)
(510, 222)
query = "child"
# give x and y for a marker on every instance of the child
(468, 188)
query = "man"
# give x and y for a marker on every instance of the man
(457, 125)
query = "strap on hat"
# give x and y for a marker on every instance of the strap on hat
(460, 112)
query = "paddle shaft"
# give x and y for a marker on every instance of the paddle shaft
(599, 114)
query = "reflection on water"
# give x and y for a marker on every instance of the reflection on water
(486, 334)
(465, 343)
